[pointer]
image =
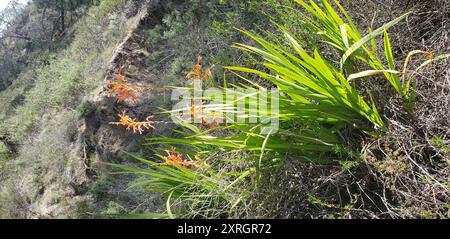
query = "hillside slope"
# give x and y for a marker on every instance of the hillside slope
(58, 139)
(46, 172)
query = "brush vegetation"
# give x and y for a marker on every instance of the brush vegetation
(363, 129)
(320, 107)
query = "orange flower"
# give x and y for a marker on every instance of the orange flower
(203, 123)
(210, 117)
(120, 77)
(196, 72)
(430, 57)
(122, 89)
(213, 125)
(131, 123)
(173, 158)
(208, 73)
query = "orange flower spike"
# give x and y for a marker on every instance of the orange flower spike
(430, 57)
(133, 97)
(193, 113)
(213, 125)
(141, 126)
(122, 89)
(203, 124)
(193, 164)
(196, 72)
(114, 87)
(132, 92)
(122, 94)
(120, 77)
(175, 159)
(130, 123)
(208, 73)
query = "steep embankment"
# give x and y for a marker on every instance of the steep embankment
(103, 142)
(49, 148)
(56, 139)
(131, 54)
(55, 121)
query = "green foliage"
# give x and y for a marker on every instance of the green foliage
(5, 160)
(348, 165)
(317, 101)
(4, 152)
(39, 164)
(199, 193)
(341, 211)
(30, 31)
(115, 197)
(155, 34)
(62, 82)
(54, 89)
(105, 8)
(85, 108)
(44, 119)
(440, 143)
(313, 84)
(343, 35)
(427, 215)
(11, 203)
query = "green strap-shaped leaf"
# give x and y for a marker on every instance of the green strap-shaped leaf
(393, 79)
(369, 37)
(344, 35)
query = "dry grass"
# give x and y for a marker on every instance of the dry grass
(402, 174)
